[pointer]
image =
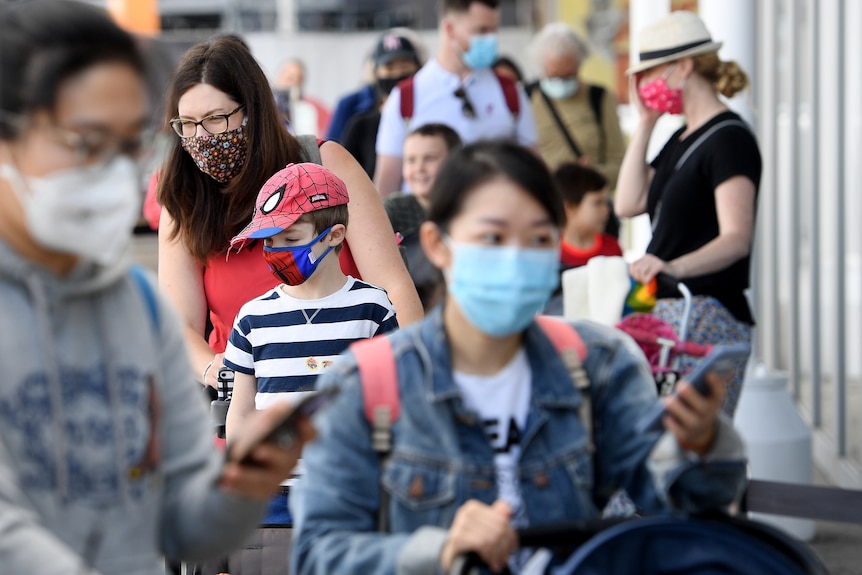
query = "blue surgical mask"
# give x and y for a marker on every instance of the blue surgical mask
(482, 52)
(295, 264)
(500, 289)
(559, 88)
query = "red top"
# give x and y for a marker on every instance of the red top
(230, 281)
(605, 245)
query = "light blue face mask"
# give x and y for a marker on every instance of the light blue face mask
(500, 289)
(559, 88)
(482, 52)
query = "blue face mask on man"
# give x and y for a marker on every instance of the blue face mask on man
(482, 52)
(500, 289)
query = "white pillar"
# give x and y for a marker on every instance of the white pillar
(642, 13)
(734, 22)
(287, 21)
(637, 231)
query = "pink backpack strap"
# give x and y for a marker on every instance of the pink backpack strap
(379, 379)
(562, 335)
(378, 376)
(572, 351)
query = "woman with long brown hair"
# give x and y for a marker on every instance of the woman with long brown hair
(231, 139)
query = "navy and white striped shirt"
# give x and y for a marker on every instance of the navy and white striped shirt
(287, 342)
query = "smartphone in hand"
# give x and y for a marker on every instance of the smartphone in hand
(722, 360)
(284, 432)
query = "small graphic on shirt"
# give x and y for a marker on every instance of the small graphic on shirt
(313, 364)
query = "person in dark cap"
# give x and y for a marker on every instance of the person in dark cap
(395, 58)
(398, 53)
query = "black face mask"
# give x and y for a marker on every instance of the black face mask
(385, 85)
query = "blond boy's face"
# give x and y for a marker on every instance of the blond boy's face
(423, 156)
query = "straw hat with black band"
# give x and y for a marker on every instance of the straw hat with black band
(676, 36)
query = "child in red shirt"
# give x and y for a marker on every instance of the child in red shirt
(585, 197)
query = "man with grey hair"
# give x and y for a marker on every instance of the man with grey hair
(575, 121)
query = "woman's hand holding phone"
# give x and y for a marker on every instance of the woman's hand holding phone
(692, 411)
(693, 417)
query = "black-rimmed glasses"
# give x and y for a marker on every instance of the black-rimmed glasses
(466, 105)
(214, 124)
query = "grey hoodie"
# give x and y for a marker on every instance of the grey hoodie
(87, 374)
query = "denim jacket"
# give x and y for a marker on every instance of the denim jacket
(442, 457)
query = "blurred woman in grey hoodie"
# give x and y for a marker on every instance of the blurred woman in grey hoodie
(107, 462)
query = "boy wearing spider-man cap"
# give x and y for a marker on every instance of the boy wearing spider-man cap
(282, 340)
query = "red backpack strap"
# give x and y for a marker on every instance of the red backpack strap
(379, 379)
(510, 93)
(572, 351)
(406, 88)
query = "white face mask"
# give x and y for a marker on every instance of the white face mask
(88, 212)
(559, 88)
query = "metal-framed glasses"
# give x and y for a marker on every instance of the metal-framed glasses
(94, 147)
(214, 124)
(466, 105)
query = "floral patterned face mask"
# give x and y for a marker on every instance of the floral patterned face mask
(220, 156)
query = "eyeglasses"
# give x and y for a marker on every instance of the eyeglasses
(215, 124)
(96, 147)
(466, 106)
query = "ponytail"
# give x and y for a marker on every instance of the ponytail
(727, 77)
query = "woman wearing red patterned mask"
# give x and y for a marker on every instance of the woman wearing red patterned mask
(701, 190)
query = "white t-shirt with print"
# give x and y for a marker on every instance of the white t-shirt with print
(502, 401)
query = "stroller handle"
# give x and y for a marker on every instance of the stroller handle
(568, 534)
(669, 282)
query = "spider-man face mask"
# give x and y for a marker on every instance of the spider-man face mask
(295, 264)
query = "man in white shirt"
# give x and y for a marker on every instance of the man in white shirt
(457, 88)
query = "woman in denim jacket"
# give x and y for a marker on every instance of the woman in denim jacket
(488, 439)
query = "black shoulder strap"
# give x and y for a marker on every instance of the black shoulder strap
(704, 137)
(569, 140)
(597, 94)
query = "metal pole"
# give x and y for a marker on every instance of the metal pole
(814, 278)
(795, 219)
(840, 250)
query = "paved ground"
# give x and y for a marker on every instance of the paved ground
(839, 546)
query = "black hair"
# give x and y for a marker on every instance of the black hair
(436, 130)
(44, 42)
(466, 169)
(575, 181)
(507, 62)
(447, 6)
